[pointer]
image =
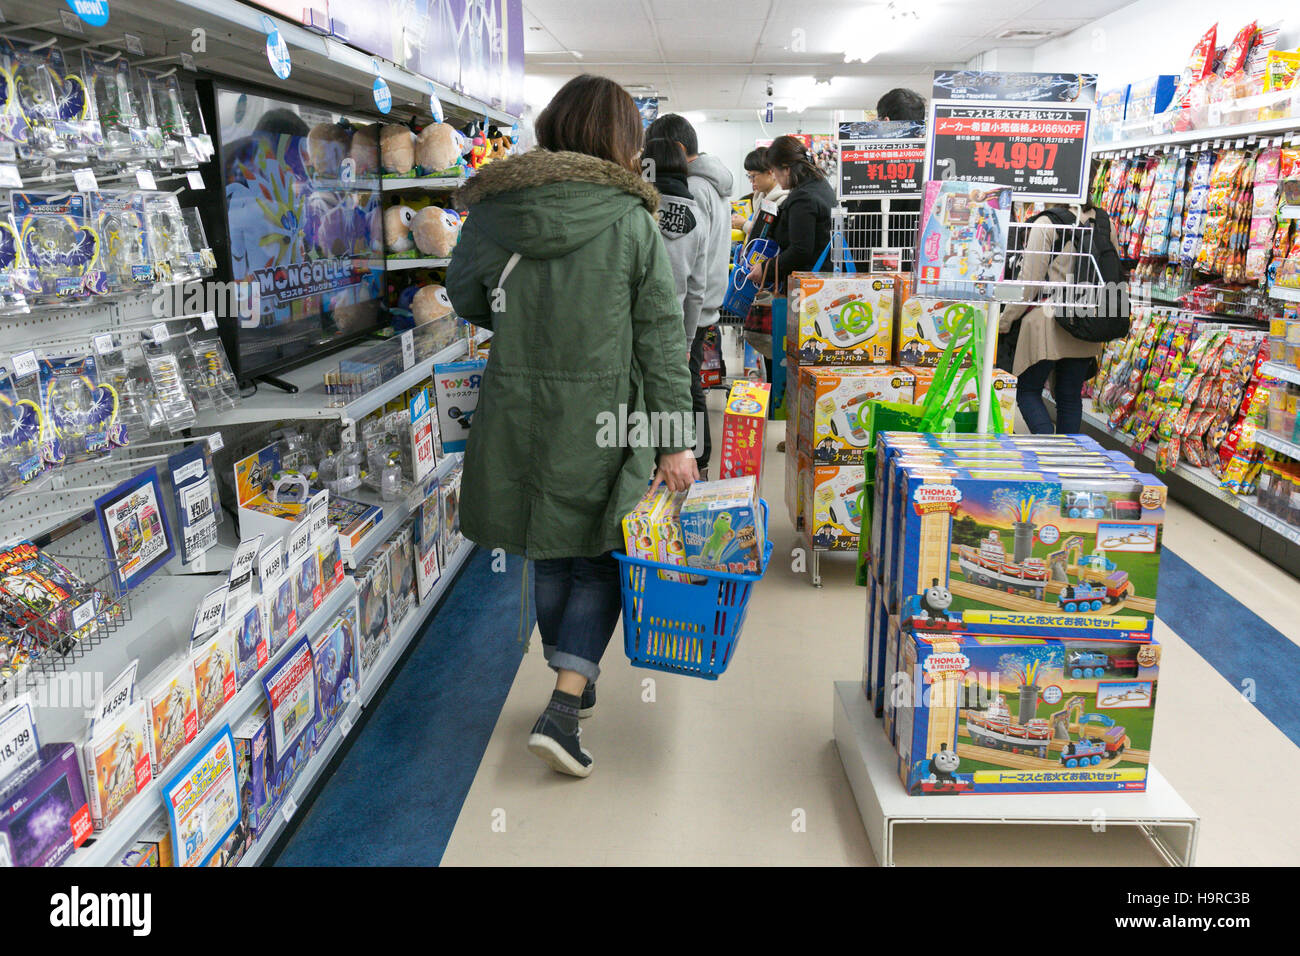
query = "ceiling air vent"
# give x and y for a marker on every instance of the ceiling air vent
(1023, 35)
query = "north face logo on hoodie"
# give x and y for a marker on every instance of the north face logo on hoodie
(676, 219)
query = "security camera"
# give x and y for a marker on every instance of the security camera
(769, 89)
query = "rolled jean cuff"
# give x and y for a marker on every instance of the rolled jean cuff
(564, 661)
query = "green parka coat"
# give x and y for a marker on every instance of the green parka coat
(587, 339)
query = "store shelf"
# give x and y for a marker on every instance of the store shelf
(1284, 292)
(1278, 443)
(435, 183)
(1286, 373)
(1239, 131)
(270, 404)
(310, 775)
(395, 512)
(111, 844)
(397, 265)
(871, 764)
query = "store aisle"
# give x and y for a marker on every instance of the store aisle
(689, 772)
(394, 797)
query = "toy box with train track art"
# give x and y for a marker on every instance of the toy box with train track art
(832, 513)
(962, 246)
(840, 318)
(991, 714)
(1032, 552)
(833, 407)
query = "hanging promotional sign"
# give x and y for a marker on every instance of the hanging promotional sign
(91, 12)
(881, 169)
(1026, 131)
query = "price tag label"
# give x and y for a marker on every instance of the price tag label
(408, 349)
(82, 614)
(133, 44)
(116, 697)
(18, 743)
(207, 617)
(216, 442)
(159, 332)
(71, 22)
(345, 725)
(145, 179)
(85, 180)
(103, 342)
(195, 179)
(25, 363)
(209, 321)
(9, 176)
(289, 809)
(270, 563)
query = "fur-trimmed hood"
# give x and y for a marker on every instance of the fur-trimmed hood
(545, 204)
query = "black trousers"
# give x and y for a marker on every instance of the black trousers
(698, 405)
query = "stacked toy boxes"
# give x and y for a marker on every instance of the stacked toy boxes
(839, 341)
(1009, 644)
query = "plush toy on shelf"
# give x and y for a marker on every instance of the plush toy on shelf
(326, 147)
(364, 150)
(437, 148)
(430, 304)
(397, 228)
(397, 148)
(436, 231)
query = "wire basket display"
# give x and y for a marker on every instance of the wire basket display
(49, 625)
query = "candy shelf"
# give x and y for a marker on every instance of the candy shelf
(111, 843)
(310, 777)
(269, 404)
(1285, 372)
(1263, 128)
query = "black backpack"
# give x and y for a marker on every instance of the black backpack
(1094, 315)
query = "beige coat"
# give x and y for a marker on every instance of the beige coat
(1041, 336)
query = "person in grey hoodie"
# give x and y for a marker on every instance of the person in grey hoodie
(710, 184)
(681, 226)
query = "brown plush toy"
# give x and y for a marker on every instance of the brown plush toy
(327, 146)
(397, 228)
(436, 231)
(430, 304)
(364, 151)
(397, 149)
(436, 148)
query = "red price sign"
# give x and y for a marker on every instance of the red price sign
(1017, 155)
(881, 169)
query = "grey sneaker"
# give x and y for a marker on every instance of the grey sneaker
(588, 705)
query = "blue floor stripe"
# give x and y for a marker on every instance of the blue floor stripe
(1232, 639)
(394, 798)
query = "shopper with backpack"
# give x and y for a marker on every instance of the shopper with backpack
(1058, 335)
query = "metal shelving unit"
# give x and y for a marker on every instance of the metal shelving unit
(1278, 443)
(1257, 130)
(1277, 370)
(395, 512)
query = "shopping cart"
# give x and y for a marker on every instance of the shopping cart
(684, 627)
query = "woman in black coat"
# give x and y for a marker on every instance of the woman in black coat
(803, 226)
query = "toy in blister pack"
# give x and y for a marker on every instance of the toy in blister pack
(401, 575)
(59, 242)
(200, 258)
(17, 279)
(169, 389)
(163, 105)
(21, 460)
(125, 370)
(33, 89)
(108, 77)
(208, 377)
(76, 119)
(80, 411)
(124, 250)
(14, 128)
(372, 612)
(168, 238)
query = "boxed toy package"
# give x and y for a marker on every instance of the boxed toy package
(833, 404)
(334, 658)
(962, 246)
(832, 516)
(401, 574)
(925, 327)
(652, 531)
(44, 815)
(173, 715)
(840, 318)
(991, 714)
(153, 847)
(254, 769)
(117, 763)
(723, 527)
(215, 681)
(744, 422)
(372, 612)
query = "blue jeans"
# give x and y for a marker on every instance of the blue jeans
(1067, 390)
(578, 602)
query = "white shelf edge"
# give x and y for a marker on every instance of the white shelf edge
(1284, 292)
(395, 386)
(112, 842)
(311, 772)
(399, 265)
(436, 183)
(1278, 443)
(1278, 370)
(1257, 128)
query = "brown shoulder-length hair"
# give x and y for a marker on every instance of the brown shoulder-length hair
(592, 115)
(786, 152)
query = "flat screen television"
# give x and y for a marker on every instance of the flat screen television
(303, 225)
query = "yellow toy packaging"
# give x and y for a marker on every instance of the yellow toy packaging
(841, 318)
(833, 408)
(652, 530)
(744, 423)
(925, 325)
(831, 514)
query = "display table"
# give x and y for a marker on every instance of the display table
(871, 766)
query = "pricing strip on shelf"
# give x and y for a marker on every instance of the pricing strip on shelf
(25, 363)
(871, 169)
(195, 179)
(408, 349)
(288, 809)
(144, 178)
(18, 740)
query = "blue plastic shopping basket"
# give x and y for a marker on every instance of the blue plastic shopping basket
(680, 626)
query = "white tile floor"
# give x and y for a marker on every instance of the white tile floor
(689, 772)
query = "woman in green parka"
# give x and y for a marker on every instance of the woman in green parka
(586, 395)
